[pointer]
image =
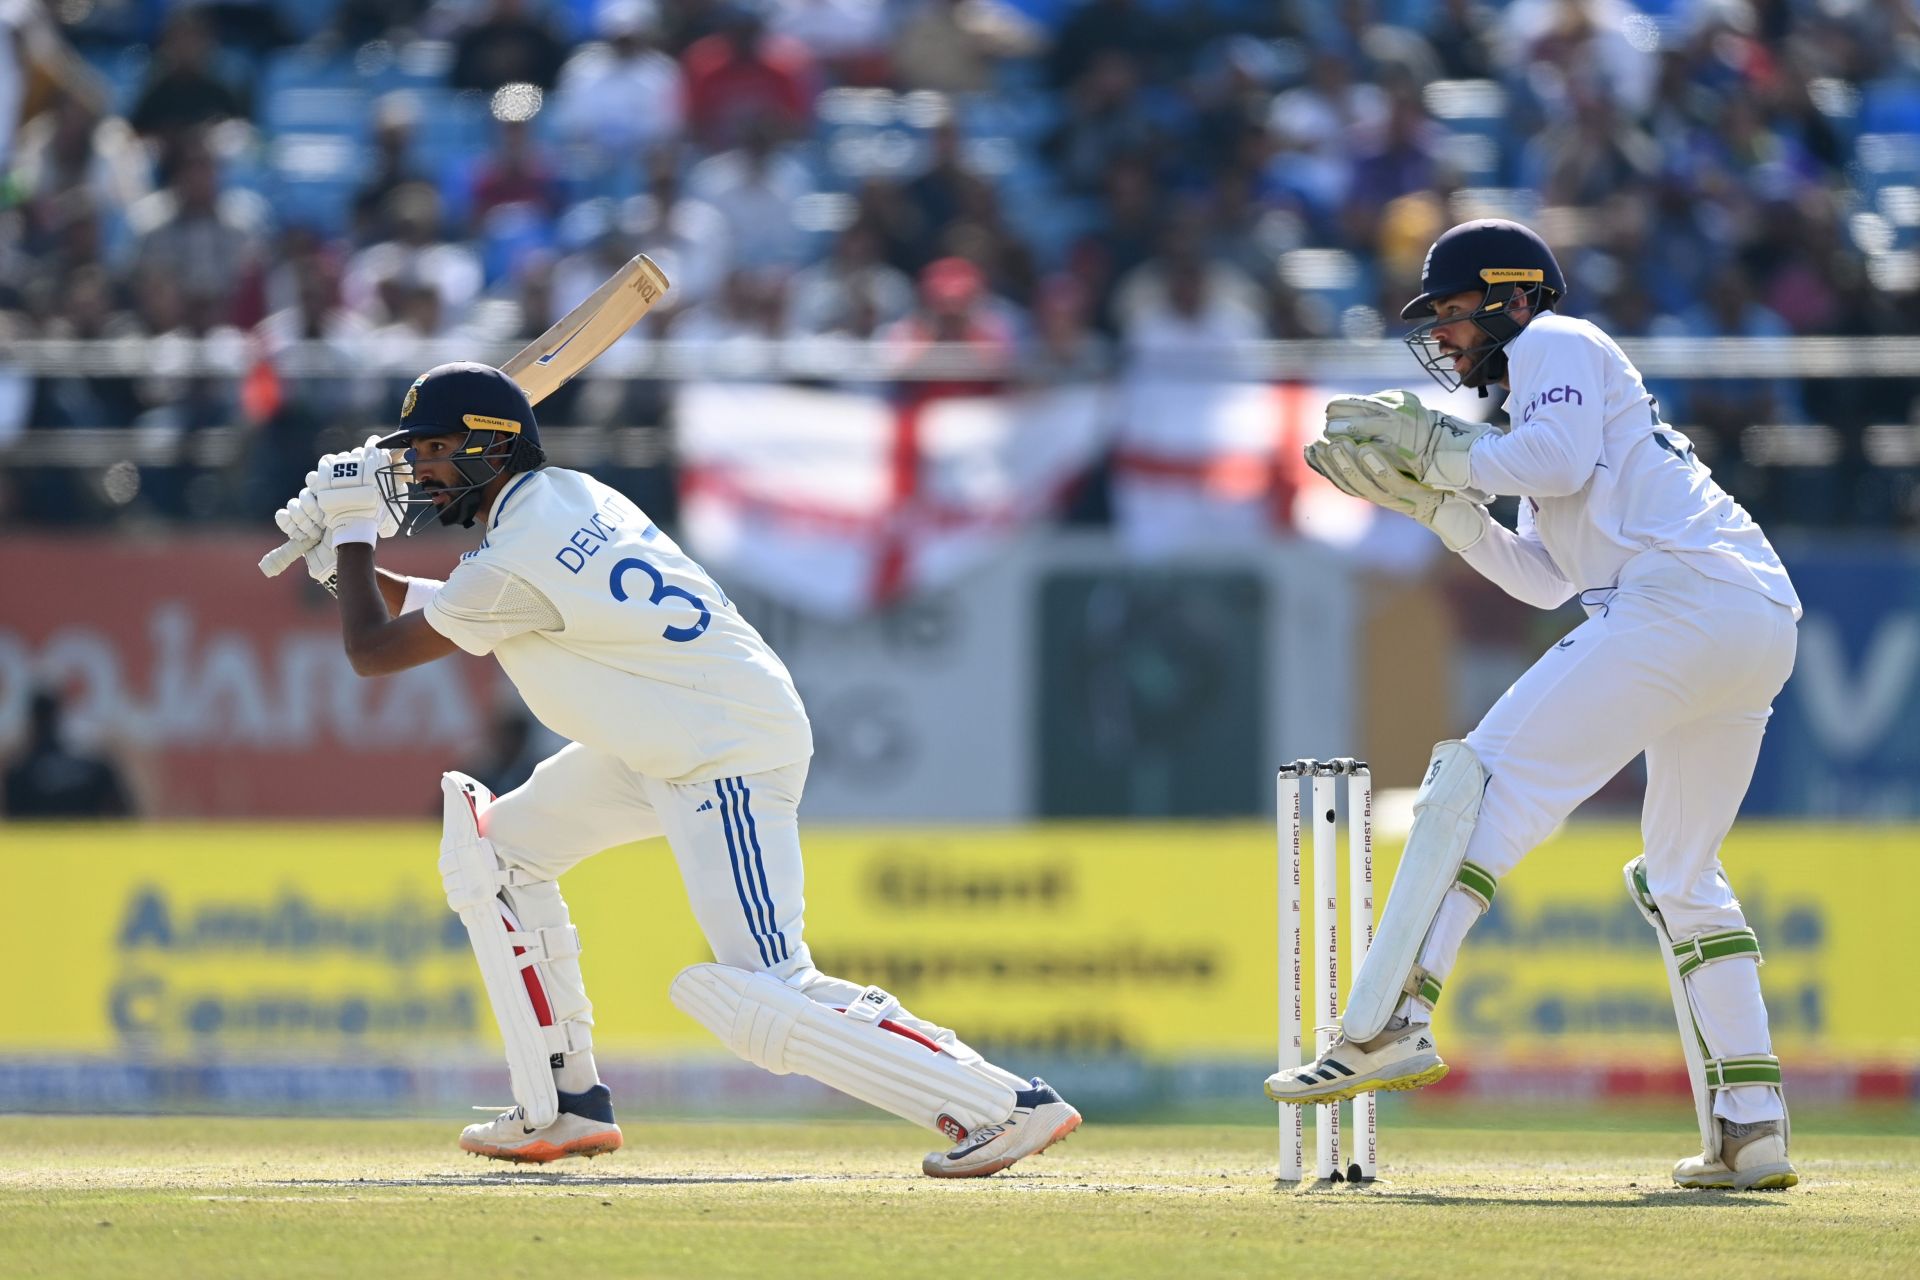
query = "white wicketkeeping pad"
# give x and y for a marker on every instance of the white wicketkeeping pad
(1444, 809)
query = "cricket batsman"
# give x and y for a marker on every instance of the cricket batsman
(682, 723)
(1689, 635)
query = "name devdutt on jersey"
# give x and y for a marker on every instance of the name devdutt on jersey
(651, 663)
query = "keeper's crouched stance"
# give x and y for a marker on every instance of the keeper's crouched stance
(1690, 634)
(684, 724)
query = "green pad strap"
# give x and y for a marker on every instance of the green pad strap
(1758, 1068)
(1476, 881)
(1705, 948)
(1640, 888)
(1423, 986)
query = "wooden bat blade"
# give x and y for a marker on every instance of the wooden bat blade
(549, 361)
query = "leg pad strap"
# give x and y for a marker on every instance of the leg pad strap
(1708, 948)
(1755, 1068)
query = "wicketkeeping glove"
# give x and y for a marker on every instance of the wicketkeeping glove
(1363, 471)
(1424, 443)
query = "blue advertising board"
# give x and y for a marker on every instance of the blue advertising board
(1845, 735)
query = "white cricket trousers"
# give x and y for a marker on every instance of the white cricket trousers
(1684, 668)
(736, 842)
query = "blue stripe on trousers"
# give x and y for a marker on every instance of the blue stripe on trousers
(777, 937)
(749, 856)
(733, 856)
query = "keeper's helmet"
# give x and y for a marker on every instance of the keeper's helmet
(498, 436)
(1496, 258)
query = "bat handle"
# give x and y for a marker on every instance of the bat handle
(283, 557)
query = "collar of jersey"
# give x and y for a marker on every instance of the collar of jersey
(506, 494)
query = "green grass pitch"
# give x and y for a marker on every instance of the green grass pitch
(1461, 1194)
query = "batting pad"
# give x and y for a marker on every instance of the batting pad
(508, 956)
(859, 1051)
(1444, 811)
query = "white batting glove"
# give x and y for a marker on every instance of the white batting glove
(1365, 472)
(351, 506)
(302, 524)
(1428, 445)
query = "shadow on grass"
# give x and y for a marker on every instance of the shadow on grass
(1549, 1201)
(581, 1181)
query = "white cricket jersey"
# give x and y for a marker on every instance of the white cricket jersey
(1603, 478)
(650, 662)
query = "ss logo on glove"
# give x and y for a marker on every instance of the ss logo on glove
(345, 470)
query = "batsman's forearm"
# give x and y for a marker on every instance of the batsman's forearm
(364, 607)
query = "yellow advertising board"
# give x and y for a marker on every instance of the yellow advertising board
(229, 942)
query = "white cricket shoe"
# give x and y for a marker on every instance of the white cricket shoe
(1753, 1157)
(585, 1128)
(1401, 1057)
(1041, 1117)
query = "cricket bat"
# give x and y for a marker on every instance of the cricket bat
(546, 364)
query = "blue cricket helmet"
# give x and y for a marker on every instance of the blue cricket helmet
(500, 436)
(1493, 257)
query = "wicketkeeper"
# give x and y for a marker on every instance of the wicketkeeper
(1690, 634)
(682, 723)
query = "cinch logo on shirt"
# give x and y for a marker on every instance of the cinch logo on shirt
(1554, 395)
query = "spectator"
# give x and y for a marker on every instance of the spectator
(1315, 129)
(624, 96)
(508, 45)
(1728, 405)
(1105, 120)
(847, 38)
(853, 292)
(1065, 347)
(396, 117)
(1193, 465)
(1170, 307)
(748, 311)
(935, 197)
(1100, 27)
(417, 251)
(70, 149)
(49, 778)
(86, 309)
(741, 78)
(1126, 238)
(956, 319)
(1462, 34)
(1554, 43)
(513, 174)
(206, 239)
(182, 92)
(689, 238)
(755, 187)
(950, 46)
(1590, 153)
(1402, 159)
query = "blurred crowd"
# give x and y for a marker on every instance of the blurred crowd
(1081, 185)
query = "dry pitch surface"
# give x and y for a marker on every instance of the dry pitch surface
(131, 1198)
